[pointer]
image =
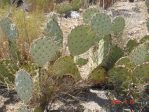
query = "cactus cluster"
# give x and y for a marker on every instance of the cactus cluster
(114, 64)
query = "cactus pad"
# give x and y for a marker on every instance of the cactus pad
(53, 30)
(140, 54)
(141, 73)
(23, 84)
(80, 40)
(125, 62)
(120, 77)
(118, 25)
(98, 75)
(9, 29)
(88, 14)
(66, 66)
(43, 50)
(101, 24)
(131, 44)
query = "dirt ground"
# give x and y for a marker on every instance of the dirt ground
(135, 15)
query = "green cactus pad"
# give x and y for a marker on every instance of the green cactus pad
(118, 25)
(98, 75)
(80, 61)
(141, 73)
(114, 54)
(23, 109)
(120, 77)
(53, 30)
(125, 61)
(88, 14)
(131, 44)
(140, 54)
(9, 29)
(145, 39)
(23, 84)
(80, 40)
(44, 50)
(101, 24)
(66, 66)
(63, 8)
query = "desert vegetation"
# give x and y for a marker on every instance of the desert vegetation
(44, 64)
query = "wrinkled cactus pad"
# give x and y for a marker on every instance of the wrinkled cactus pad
(44, 50)
(80, 40)
(23, 84)
(66, 66)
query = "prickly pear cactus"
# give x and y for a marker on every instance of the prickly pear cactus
(120, 77)
(53, 30)
(125, 62)
(9, 29)
(131, 44)
(98, 75)
(118, 25)
(101, 24)
(44, 50)
(144, 39)
(66, 66)
(80, 40)
(141, 73)
(114, 54)
(140, 54)
(23, 84)
(88, 14)
(63, 8)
